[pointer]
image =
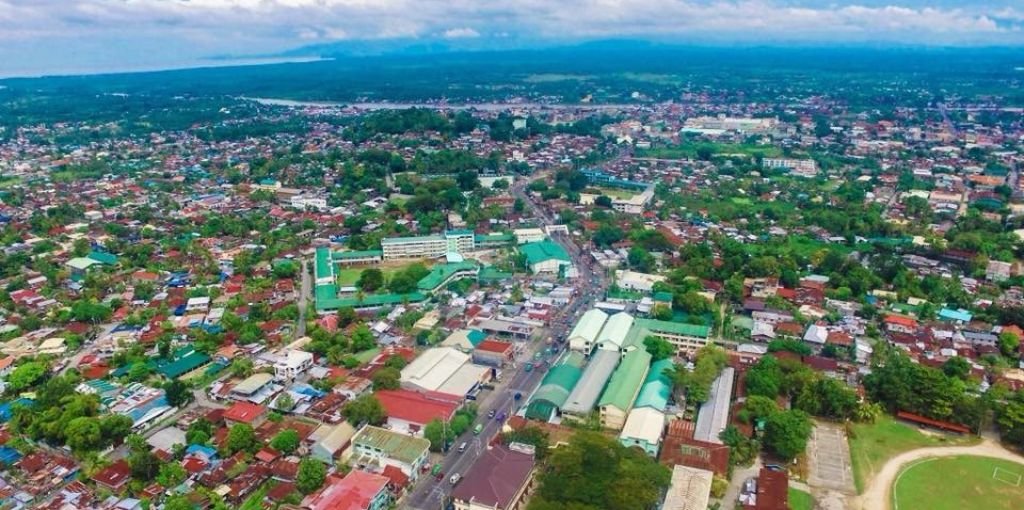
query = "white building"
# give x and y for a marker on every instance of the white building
(427, 247)
(529, 235)
(308, 202)
(583, 336)
(292, 364)
(632, 280)
(634, 204)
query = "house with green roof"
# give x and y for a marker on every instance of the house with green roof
(545, 256)
(623, 387)
(185, 362)
(556, 387)
(107, 259)
(375, 448)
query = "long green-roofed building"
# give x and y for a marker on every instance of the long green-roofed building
(554, 390)
(623, 387)
(657, 386)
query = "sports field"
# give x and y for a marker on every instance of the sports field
(956, 483)
(871, 445)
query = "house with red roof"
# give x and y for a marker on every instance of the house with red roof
(115, 476)
(900, 324)
(359, 490)
(245, 412)
(411, 411)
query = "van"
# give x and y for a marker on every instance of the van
(455, 479)
(462, 447)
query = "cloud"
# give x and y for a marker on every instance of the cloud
(41, 32)
(460, 33)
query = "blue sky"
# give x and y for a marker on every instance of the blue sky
(68, 36)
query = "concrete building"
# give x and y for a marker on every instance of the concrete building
(687, 338)
(632, 280)
(643, 429)
(330, 440)
(613, 334)
(292, 364)
(617, 399)
(529, 235)
(428, 247)
(634, 204)
(583, 336)
(375, 448)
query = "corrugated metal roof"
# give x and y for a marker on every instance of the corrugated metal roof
(714, 414)
(590, 385)
(613, 334)
(657, 387)
(626, 381)
(589, 326)
(397, 446)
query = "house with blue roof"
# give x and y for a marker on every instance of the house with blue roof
(959, 316)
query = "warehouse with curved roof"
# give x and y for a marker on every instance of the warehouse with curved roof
(555, 388)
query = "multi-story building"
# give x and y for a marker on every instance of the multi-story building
(428, 247)
(375, 448)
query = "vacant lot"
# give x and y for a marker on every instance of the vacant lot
(873, 444)
(960, 482)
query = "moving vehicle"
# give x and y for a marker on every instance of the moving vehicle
(455, 479)
(436, 470)
(478, 429)
(490, 414)
(462, 447)
(529, 367)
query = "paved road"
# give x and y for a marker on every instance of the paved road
(739, 476)
(304, 290)
(430, 494)
(876, 494)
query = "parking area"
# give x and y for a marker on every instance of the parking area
(828, 456)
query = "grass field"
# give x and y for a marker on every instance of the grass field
(954, 483)
(800, 500)
(350, 275)
(690, 149)
(615, 193)
(873, 444)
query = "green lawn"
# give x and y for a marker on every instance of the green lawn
(800, 500)
(872, 444)
(953, 483)
(349, 275)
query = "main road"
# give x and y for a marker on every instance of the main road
(432, 494)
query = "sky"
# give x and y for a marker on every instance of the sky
(81, 36)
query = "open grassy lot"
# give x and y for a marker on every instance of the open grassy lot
(800, 500)
(350, 275)
(691, 149)
(873, 444)
(954, 483)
